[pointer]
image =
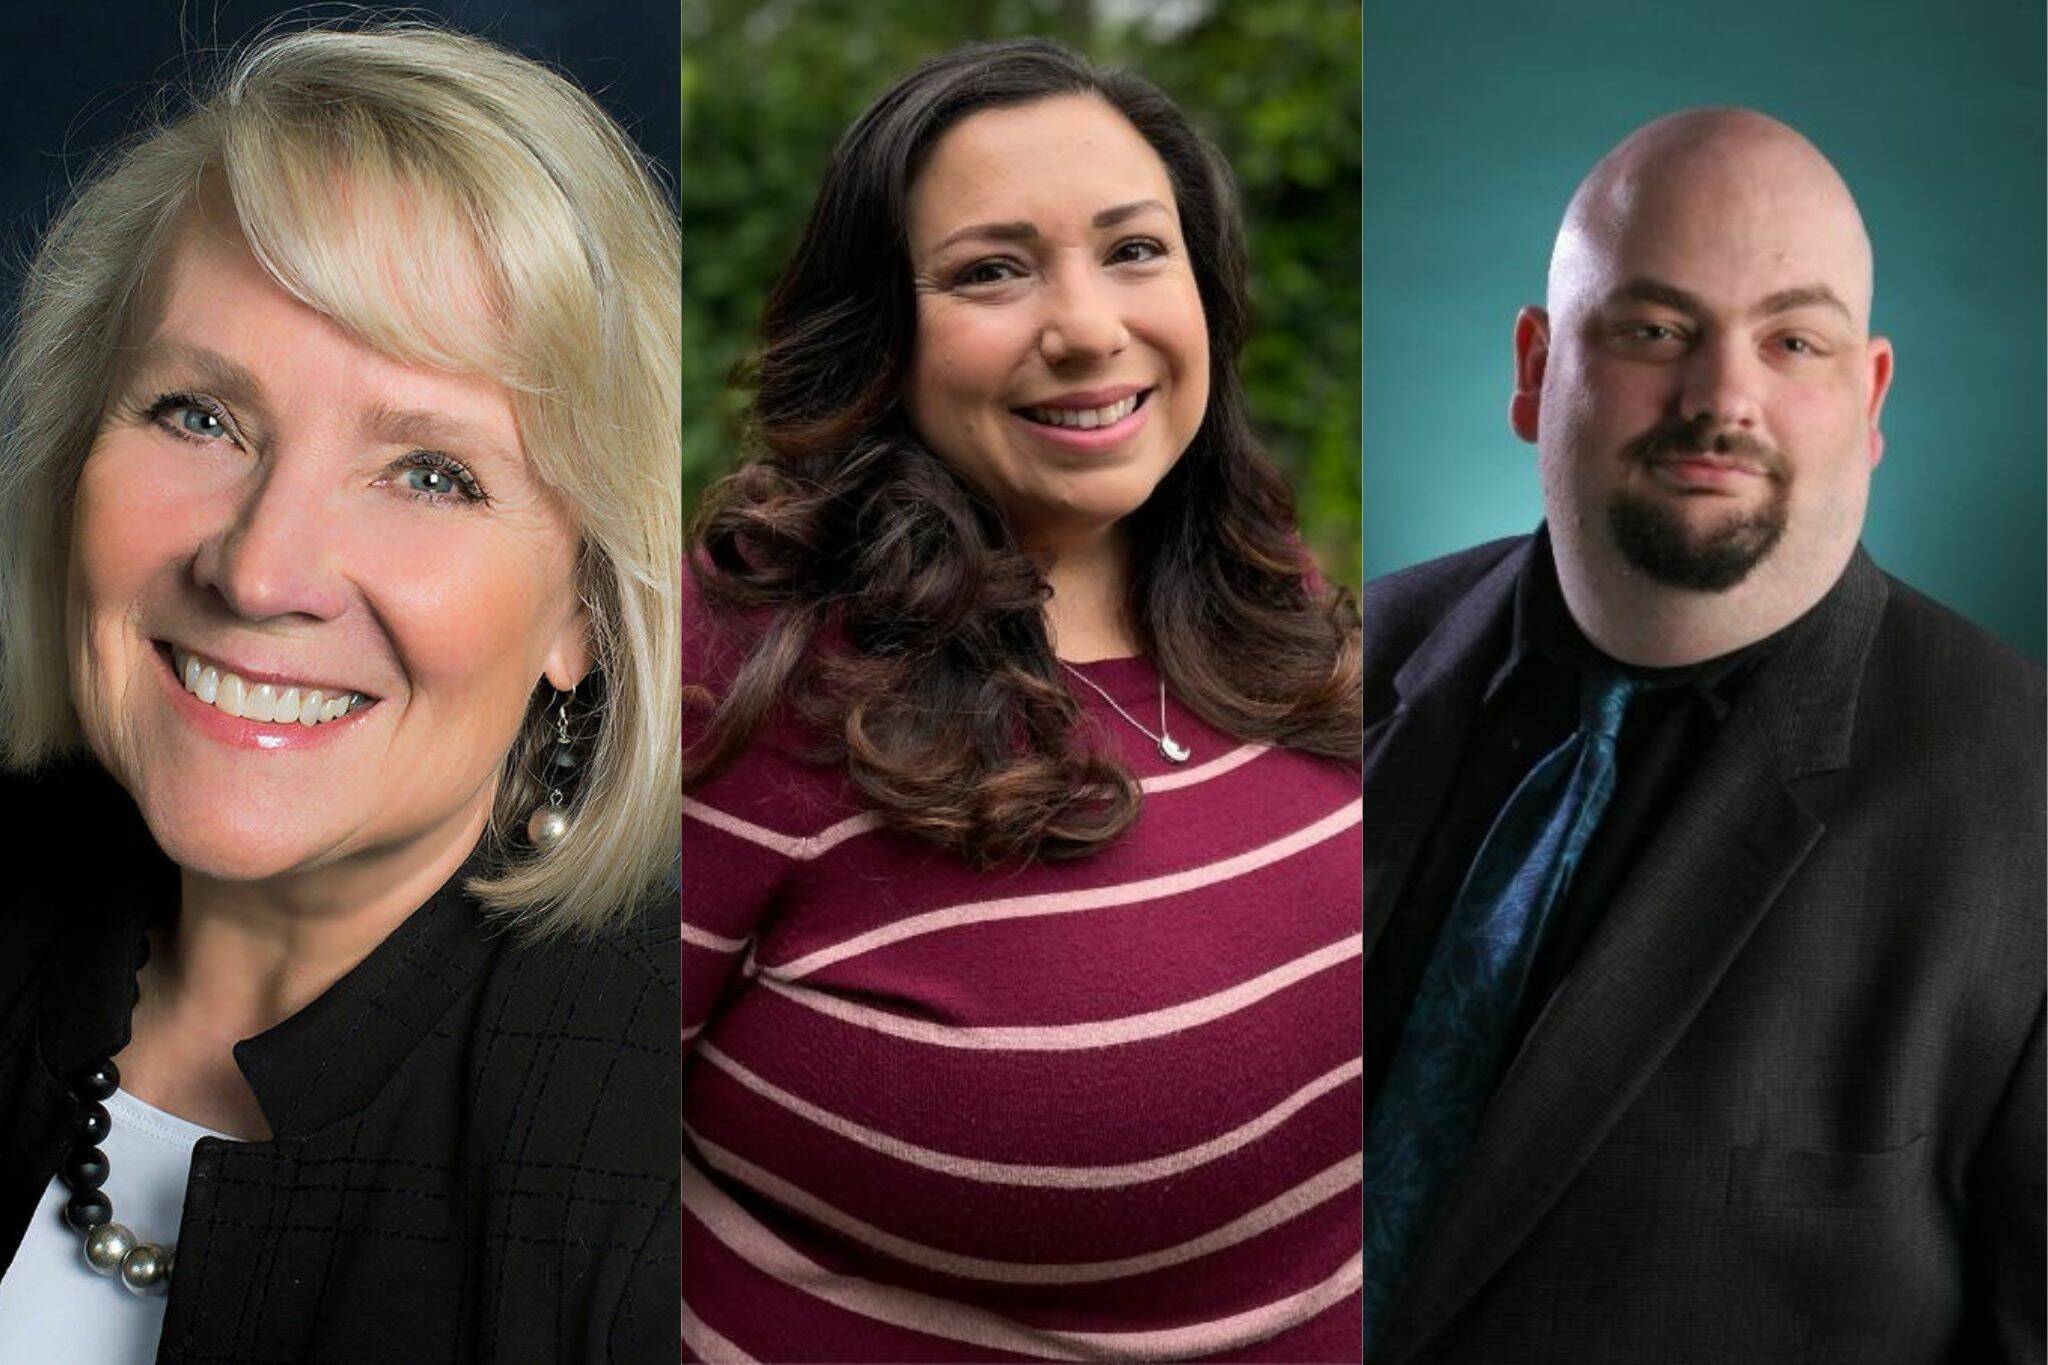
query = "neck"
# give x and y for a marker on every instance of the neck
(1087, 616)
(244, 956)
(1637, 620)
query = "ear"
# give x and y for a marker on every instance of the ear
(1880, 355)
(568, 654)
(1532, 353)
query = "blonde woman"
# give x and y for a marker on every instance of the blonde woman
(338, 1007)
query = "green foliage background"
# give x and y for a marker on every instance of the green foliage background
(769, 85)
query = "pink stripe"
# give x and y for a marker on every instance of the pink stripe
(787, 845)
(1068, 902)
(698, 938)
(1318, 1189)
(1076, 1037)
(711, 1348)
(769, 1254)
(1040, 1177)
(1202, 772)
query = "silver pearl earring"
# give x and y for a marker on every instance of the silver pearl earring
(549, 822)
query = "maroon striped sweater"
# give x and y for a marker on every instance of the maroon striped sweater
(1107, 1109)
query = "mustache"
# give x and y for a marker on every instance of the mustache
(1698, 438)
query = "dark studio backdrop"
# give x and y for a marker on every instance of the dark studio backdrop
(769, 85)
(82, 76)
(1480, 120)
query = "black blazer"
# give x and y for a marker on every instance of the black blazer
(477, 1141)
(1788, 1104)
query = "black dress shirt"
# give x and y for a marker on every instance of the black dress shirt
(476, 1138)
(1531, 707)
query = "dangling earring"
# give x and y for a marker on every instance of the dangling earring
(550, 822)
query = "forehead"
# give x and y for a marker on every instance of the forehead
(216, 309)
(1046, 163)
(1731, 234)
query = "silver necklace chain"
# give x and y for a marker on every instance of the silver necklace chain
(1171, 749)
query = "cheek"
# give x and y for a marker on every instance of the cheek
(471, 613)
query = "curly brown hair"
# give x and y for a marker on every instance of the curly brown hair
(886, 602)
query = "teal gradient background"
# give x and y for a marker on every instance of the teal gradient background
(1480, 120)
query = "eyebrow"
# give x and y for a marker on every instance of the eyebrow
(417, 427)
(237, 384)
(1784, 301)
(1021, 231)
(214, 371)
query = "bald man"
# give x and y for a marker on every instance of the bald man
(1704, 873)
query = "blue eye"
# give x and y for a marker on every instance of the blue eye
(201, 423)
(433, 482)
(430, 476)
(190, 417)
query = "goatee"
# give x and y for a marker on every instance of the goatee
(1655, 539)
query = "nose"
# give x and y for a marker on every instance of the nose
(273, 556)
(1083, 321)
(1721, 384)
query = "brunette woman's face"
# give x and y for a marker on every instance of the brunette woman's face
(1062, 359)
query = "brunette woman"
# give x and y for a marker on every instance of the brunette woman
(1021, 860)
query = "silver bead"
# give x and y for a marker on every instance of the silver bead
(546, 826)
(105, 1245)
(147, 1269)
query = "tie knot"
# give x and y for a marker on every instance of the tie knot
(1602, 699)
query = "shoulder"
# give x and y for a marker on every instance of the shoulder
(1399, 611)
(576, 1046)
(1954, 697)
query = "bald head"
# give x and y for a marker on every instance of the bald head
(1725, 189)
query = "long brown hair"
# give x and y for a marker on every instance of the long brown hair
(886, 602)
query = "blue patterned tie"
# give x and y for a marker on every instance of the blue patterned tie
(1449, 1059)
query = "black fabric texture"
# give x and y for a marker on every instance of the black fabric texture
(476, 1138)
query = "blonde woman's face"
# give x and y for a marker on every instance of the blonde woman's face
(1062, 359)
(311, 589)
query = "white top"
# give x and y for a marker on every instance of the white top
(53, 1306)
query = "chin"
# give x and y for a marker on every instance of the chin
(228, 844)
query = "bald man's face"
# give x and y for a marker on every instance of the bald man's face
(1704, 389)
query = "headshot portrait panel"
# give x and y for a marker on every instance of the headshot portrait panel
(1021, 818)
(340, 541)
(1705, 722)
(1476, 132)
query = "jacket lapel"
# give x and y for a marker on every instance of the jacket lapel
(1411, 755)
(1729, 847)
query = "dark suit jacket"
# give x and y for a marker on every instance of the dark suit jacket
(477, 1140)
(1788, 1104)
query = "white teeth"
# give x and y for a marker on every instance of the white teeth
(1084, 419)
(263, 702)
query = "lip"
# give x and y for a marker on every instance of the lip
(1704, 473)
(250, 734)
(1094, 439)
(1089, 398)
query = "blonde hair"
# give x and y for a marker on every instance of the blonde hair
(362, 165)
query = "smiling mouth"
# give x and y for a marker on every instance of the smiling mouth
(1086, 419)
(276, 703)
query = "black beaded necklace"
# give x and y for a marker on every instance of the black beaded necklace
(110, 1248)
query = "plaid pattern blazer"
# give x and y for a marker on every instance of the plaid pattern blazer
(1787, 1104)
(477, 1141)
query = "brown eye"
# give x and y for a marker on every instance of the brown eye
(993, 271)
